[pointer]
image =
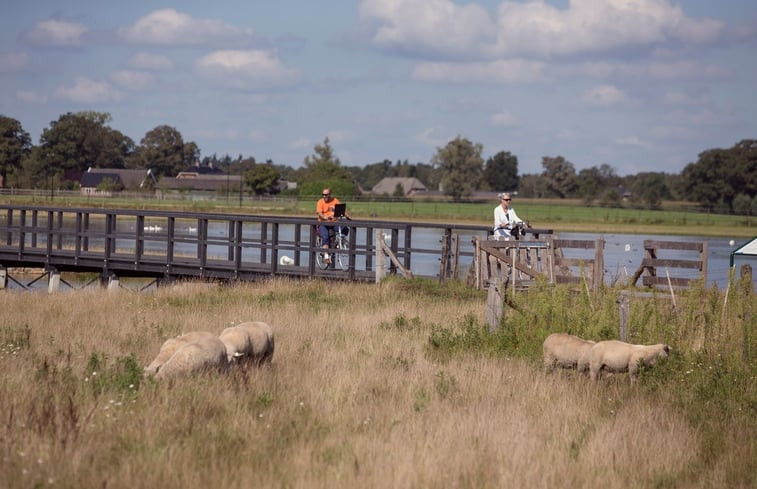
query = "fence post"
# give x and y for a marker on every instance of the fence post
(748, 290)
(625, 305)
(3, 277)
(53, 281)
(494, 303)
(599, 264)
(380, 255)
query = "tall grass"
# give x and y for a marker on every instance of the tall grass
(395, 385)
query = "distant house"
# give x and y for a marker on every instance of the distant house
(185, 181)
(388, 186)
(199, 171)
(119, 177)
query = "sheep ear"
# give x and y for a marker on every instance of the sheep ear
(667, 349)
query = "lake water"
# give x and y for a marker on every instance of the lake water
(622, 254)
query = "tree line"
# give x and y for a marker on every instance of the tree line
(721, 180)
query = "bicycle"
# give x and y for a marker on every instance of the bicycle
(339, 247)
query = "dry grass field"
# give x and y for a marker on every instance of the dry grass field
(397, 385)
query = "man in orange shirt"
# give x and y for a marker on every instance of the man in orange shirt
(325, 211)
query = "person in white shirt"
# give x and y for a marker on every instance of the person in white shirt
(505, 218)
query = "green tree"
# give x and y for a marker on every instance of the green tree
(162, 150)
(107, 184)
(742, 205)
(15, 145)
(650, 188)
(719, 175)
(560, 176)
(590, 184)
(501, 171)
(262, 179)
(77, 141)
(191, 153)
(323, 169)
(460, 164)
(594, 182)
(531, 186)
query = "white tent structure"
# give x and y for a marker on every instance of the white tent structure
(748, 249)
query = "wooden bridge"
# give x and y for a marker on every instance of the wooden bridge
(166, 246)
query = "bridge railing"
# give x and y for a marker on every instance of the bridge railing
(169, 245)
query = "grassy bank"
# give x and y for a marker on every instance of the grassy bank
(568, 215)
(396, 385)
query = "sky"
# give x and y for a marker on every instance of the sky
(640, 85)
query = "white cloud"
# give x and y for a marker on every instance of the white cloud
(442, 27)
(256, 136)
(671, 70)
(683, 69)
(684, 99)
(604, 96)
(31, 97)
(250, 69)
(504, 119)
(13, 62)
(88, 91)
(149, 61)
(132, 80)
(338, 136)
(427, 137)
(300, 143)
(502, 71)
(633, 141)
(432, 26)
(56, 33)
(597, 25)
(171, 27)
(675, 133)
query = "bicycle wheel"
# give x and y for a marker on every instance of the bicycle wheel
(319, 258)
(342, 252)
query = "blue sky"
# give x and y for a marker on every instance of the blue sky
(642, 85)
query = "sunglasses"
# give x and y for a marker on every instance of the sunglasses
(326, 195)
(508, 200)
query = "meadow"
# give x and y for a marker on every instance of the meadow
(395, 385)
(566, 215)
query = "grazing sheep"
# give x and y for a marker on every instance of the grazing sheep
(170, 346)
(238, 344)
(617, 356)
(197, 356)
(565, 351)
(261, 339)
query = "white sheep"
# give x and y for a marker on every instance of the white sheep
(617, 356)
(170, 346)
(200, 355)
(566, 351)
(260, 336)
(238, 344)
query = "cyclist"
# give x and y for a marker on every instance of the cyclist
(505, 218)
(324, 209)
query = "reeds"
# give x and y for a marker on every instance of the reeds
(396, 385)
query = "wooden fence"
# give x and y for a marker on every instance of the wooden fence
(667, 255)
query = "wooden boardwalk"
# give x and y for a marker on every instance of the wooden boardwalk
(173, 245)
